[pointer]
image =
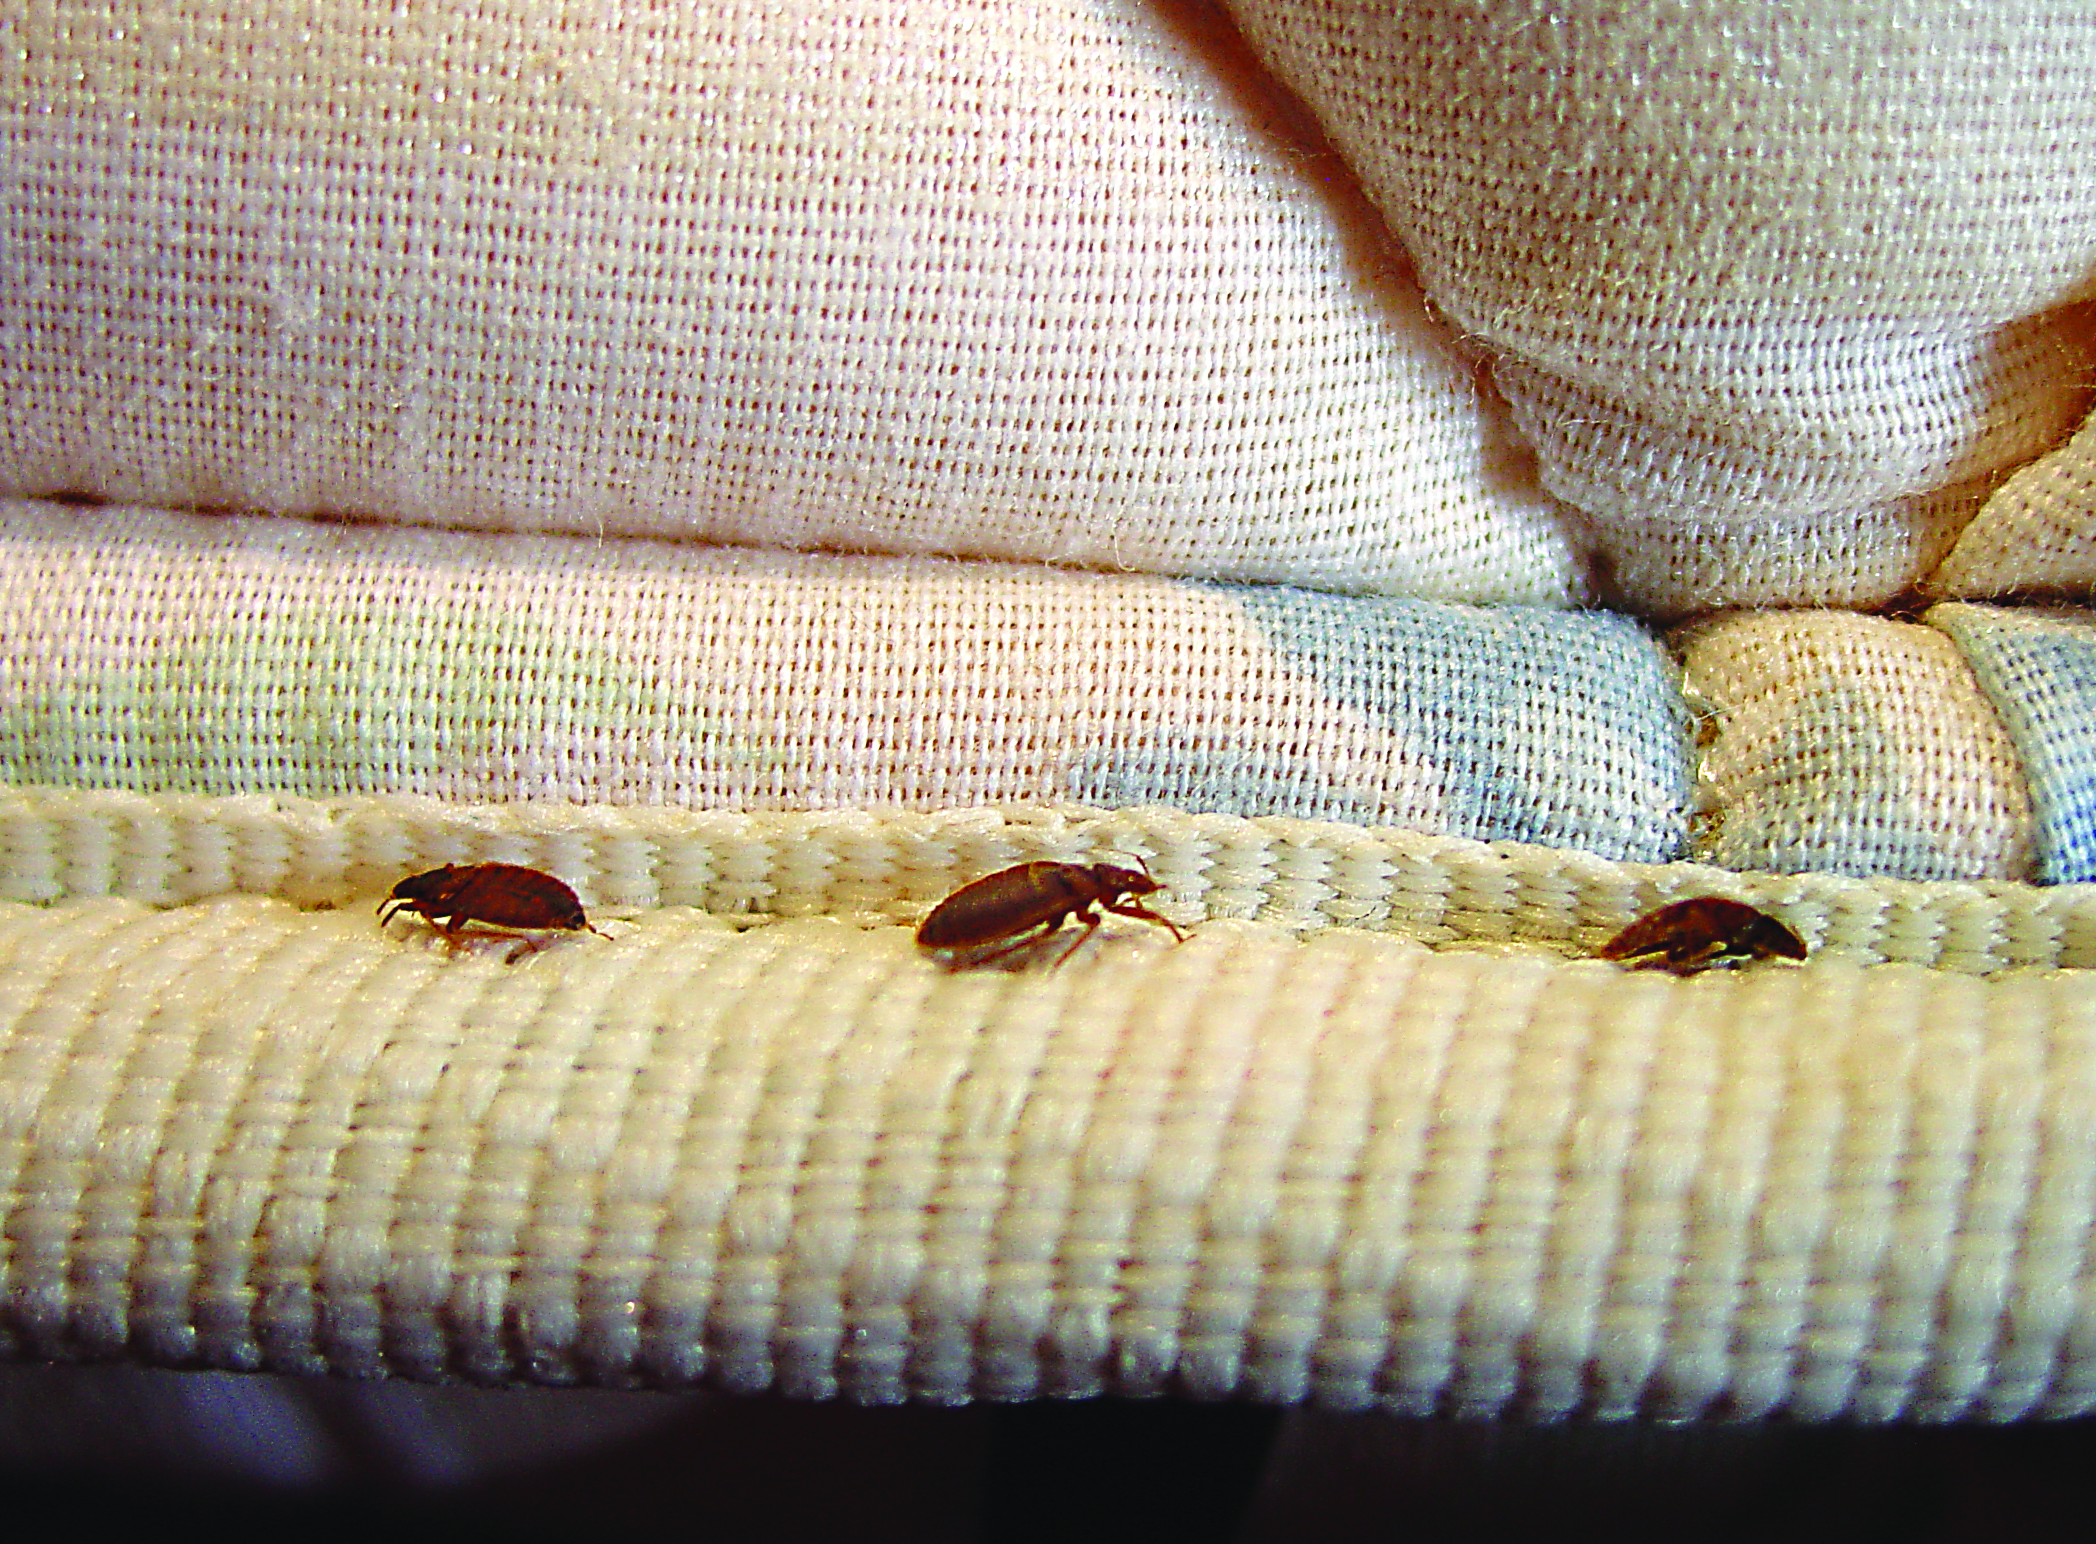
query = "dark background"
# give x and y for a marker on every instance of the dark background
(100, 1449)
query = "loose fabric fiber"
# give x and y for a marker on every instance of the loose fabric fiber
(1779, 292)
(794, 1155)
(1031, 279)
(216, 654)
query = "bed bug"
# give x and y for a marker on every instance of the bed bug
(1696, 934)
(1003, 912)
(497, 895)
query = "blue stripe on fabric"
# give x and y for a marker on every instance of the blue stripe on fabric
(2038, 670)
(1534, 725)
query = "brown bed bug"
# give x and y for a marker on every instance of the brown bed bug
(1696, 934)
(1003, 912)
(497, 895)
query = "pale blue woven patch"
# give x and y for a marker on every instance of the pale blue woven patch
(1504, 724)
(2037, 667)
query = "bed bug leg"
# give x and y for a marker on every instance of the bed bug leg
(1134, 908)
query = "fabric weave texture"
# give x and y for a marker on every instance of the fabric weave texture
(1430, 482)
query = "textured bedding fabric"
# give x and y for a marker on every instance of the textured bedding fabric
(2038, 668)
(1073, 282)
(1778, 293)
(1430, 481)
(220, 654)
(1377, 1135)
(1035, 284)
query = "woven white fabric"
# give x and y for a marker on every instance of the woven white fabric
(1778, 290)
(1040, 279)
(2038, 532)
(2038, 668)
(1851, 743)
(1341, 1166)
(1778, 297)
(870, 868)
(223, 655)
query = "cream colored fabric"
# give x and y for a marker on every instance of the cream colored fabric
(2037, 666)
(1340, 1165)
(1777, 298)
(866, 868)
(2037, 533)
(1852, 743)
(209, 653)
(1040, 279)
(220, 654)
(1778, 291)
